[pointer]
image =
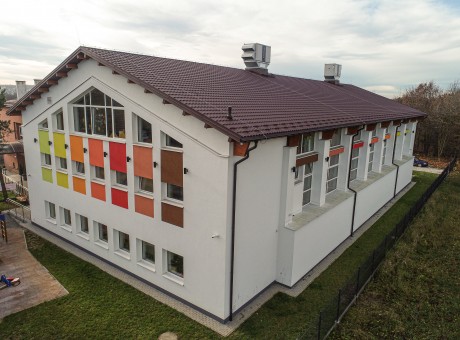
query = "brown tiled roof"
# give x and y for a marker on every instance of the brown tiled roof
(262, 106)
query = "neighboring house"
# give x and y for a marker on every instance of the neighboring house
(13, 161)
(210, 183)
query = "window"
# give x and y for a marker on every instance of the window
(308, 169)
(50, 210)
(83, 224)
(172, 143)
(384, 151)
(306, 144)
(374, 133)
(123, 241)
(46, 159)
(371, 157)
(174, 192)
(59, 120)
(145, 184)
(175, 264)
(121, 178)
(144, 131)
(99, 172)
(67, 217)
(62, 163)
(336, 139)
(332, 174)
(354, 164)
(17, 131)
(102, 233)
(79, 168)
(97, 114)
(148, 252)
(43, 124)
(298, 174)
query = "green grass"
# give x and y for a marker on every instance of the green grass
(416, 293)
(100, 306)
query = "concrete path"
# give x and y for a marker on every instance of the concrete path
(37, 284)
(430, 170)
(243, 315)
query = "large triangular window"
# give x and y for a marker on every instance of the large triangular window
(95, 113)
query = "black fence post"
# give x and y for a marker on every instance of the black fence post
(357, 282)
(338, 305)
(319, 325)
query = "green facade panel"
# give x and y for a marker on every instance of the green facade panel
(62, 179)
(59, 144)
(47, 175)
(43, 138)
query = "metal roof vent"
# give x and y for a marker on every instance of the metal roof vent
(256, 57)
(332, 73)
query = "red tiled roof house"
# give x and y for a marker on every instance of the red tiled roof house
(210, 183)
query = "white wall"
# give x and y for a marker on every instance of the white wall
(206, 153)
(373, 197)
(257, 216)
(405, 172)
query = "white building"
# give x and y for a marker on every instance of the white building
(133, 158)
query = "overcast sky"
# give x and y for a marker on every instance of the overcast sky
(383, 46)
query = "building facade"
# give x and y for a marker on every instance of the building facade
(209, 203)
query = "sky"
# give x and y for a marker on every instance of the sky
(383, 46)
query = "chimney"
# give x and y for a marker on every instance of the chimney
(21, 88)
(332, 73)
(256, 57)
(36, 81)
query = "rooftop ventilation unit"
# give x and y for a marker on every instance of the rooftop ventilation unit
(256, 57)
(332, 73)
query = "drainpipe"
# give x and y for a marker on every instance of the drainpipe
(393, 158)
(232, 254)
(348, 183)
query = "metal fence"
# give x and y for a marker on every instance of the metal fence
(22, 212)
(346, 296)
(19, 189)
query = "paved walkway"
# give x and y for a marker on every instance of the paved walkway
(228, 328)
(430, 170)
(37, 284)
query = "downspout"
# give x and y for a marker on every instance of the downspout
(348, 183)
(232, 254)
(393, 158)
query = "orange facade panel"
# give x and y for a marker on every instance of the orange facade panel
(143, 205)
(172, 214)
(96, 152)
(172, 167)
(76, 149)
(79, 185)
(98, 191)
(143, 161)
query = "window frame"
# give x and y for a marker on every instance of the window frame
(80, 219)
(100, 231)
(56, 121)
(59, 161)
(94, 173)
(46, 160)
(139, 181)
(76, 170)
(311, 143)
(307, 177)
(116, 178)
(178, 274)
(370, 164)
(166, 140)
(121, 242)
(173, 199)
(66, 217)
(330, 179)
(139, 124)
(89, 111)
(50, 210)
(143, 257)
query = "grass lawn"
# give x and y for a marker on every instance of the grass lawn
(416, 293)
(100, 306)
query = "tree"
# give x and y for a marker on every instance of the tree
(4, 131)
(439, 133)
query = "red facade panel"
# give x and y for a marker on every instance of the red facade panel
(98, 191)
(120, 198)
(96, 152)
(117, 154)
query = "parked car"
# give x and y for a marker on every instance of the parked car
(420, 163)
